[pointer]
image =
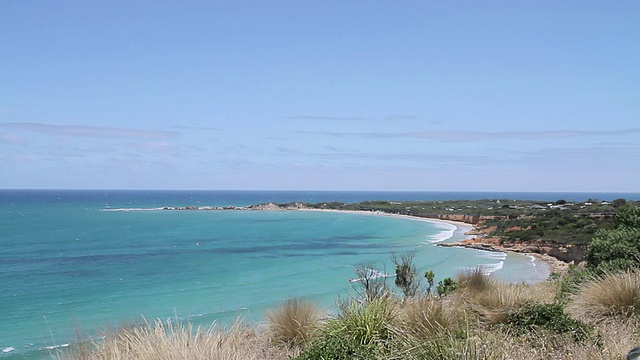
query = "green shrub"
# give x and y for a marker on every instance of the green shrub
(336, 347)
(406, 278)
(551, 317)
(429, 275)
(619, 248)
(446, 286)
(570, 283)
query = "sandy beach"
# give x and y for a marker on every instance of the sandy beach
(459, 224)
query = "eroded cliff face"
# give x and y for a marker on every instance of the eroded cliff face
(569, 253)
(469, 219)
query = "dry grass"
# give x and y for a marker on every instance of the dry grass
(495, 299)
(169, 341)
(429, 317)
(612, 343)
(475, 280)
(293, 322)
(610, 295)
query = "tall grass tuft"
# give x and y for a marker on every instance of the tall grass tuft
(493, 304)
(613, 294)
(361, 330)
(475, 280)
(366, 322)
(429, 317)
(293, 322)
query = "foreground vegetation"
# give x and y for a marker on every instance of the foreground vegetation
(593, 312)
(482, 319)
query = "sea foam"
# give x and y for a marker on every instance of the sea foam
(131, 209)
(486, 269)
(489, 268)
(494, 255)
(57, 346)
(447, 231)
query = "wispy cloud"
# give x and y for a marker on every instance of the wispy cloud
(155, 146)
(393, 117)
(205, 128)
(418, 159)
(88, 131)
(328, 118)
(400, 117)
(585, 154)
(471, 136)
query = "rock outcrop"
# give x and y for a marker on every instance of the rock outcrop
(468, 219)
(569, 253)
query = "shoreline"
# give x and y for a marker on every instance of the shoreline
(555, 265)
(458, 224)
(471, 238)
(470, 241)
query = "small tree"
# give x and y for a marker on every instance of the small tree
(446, 286)
(406, 278)
(619, 203)
(430, 276)
(373, 282)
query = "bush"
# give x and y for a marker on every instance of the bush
(617, 249)
(551, 317)
(570, 283)
(628, 217)
(446, 286)
(336, 347)
(614, 250)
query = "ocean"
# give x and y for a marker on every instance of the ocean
(73, 261)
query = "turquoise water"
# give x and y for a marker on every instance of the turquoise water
(68, 265)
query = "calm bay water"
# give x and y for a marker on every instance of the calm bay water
(67, 265)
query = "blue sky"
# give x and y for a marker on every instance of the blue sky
(332, 95)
